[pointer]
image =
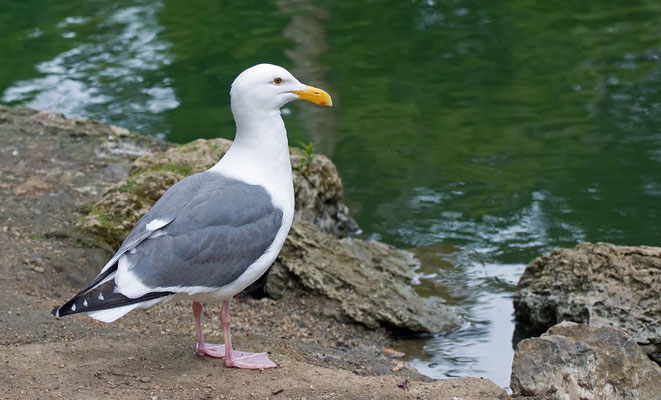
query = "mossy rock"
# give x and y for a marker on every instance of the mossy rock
(317, 185)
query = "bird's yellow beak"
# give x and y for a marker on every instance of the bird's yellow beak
(317, 96)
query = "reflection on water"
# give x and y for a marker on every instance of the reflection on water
(103, 74)
(466, 275)
(306, 30)
(482, 346)
(498, 129)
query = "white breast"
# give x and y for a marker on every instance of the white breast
(260, 158)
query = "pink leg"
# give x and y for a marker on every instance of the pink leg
(201, 348)
(240, 359)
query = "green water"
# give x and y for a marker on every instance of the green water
(481, 133)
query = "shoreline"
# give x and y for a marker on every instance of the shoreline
(53, 169)
(331, 324)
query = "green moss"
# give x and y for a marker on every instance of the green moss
(188, 147)
(86, 207)
(181, 169)
(107, 220)
(125, 187)
(110, 230)
(87, 243)
(37, 237)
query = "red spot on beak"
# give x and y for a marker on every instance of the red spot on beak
(322, 103)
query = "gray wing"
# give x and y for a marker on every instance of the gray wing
(210, 230)
(166, 208)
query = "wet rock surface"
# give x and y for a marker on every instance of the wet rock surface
(578, 361)
(600, 284)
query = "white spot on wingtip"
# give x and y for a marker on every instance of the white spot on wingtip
(85, 303)
(73, 307)
(100, 296)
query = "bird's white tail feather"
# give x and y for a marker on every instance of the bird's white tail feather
(113, 314)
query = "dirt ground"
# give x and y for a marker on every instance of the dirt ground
(50, 171)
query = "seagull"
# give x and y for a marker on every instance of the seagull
(214, 233)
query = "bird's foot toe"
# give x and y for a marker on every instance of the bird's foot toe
(211, 350)
(250, 361)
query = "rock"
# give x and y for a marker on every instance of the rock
(368, 281)
(578, 361)
(320, 194)
(364, 281)
(56, 122)
(34, 185)
(317, 184)
(600, 284)
(318, 189)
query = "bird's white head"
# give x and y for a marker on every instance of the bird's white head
(266, 88)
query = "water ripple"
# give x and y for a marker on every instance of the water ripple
(103, 77)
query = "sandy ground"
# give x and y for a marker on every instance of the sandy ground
(47, 177)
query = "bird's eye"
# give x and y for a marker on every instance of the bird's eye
(277, 81)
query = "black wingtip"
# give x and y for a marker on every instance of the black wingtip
(101, 297)
(65, 309)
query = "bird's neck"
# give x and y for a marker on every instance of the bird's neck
(260, 155)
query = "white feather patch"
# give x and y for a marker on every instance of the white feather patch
(157, 223)
(113, 314)
(157, 234)
(126, 282)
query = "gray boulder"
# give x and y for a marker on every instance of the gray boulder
(599, 284)
(581, 362)
(367, 281)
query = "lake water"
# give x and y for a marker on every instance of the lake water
(480, 133)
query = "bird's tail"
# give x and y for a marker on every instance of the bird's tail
(103, 302)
